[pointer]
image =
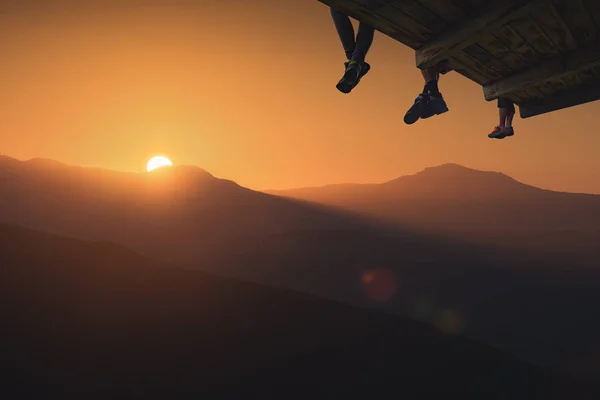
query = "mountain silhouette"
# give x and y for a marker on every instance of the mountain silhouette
(93, 319)
(508, 295)
(452, 198)
(178, 214)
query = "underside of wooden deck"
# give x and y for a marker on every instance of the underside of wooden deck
(544, 55)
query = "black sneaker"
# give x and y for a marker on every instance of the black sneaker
(354, 72)
(437, 105)
(415, 112)
(497, 133)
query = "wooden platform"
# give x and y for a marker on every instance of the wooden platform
(542, 54)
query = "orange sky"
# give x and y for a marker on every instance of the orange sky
(246, 90)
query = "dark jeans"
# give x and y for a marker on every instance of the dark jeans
(356, 49)
(506, 103)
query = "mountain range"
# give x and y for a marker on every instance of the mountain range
(452, 198)
(531, 292)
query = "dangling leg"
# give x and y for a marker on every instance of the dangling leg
(357, 67)
(364, 40)
(345, 31)
(510, 113)
(506, 111)
(498, 131)
(436, 105)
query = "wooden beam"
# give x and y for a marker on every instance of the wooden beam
(469, 31)
(550, 70)
(563, 99)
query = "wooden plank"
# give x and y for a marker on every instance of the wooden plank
(522, 95)
(444, 9)
(399, 18)
(468, 32)
(515, 43)
(545, 89)
(593, 8)
(467, 72)
(487, 59)
(557, 84)
(588, 75)
(495, 47)
(371, 5)
(478, 67)
(462, 5)
(421, 14)
(572, 79)
(361, 13)
(533, 92)
(564, 99)
(514, 98)
(548, 19)
(535, 37)
(550, 70)
(470, 7)
(477, 4)
(578, 20)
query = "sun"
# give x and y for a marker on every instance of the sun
(158, 162)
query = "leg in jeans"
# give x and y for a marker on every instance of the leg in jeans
(364, 40)
(345, 31)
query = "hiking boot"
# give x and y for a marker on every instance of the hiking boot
(415, 112)
(354, 72)
(435, 106)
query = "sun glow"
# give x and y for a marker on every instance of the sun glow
(158, 162)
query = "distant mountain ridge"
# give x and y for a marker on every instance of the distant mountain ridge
(445, 176)
(453, 198)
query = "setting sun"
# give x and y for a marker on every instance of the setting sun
(158, 162)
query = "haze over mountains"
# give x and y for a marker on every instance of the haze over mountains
(533, 299)
(93, 319)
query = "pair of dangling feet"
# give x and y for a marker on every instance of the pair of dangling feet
(427, 104)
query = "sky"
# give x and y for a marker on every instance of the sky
(246, 90)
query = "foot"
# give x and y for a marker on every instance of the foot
(415, 112)
(437, 105)
(499, 132)
(508, 131)
(354, 71)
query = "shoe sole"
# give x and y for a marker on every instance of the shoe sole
(501, 136)
(445, 110)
